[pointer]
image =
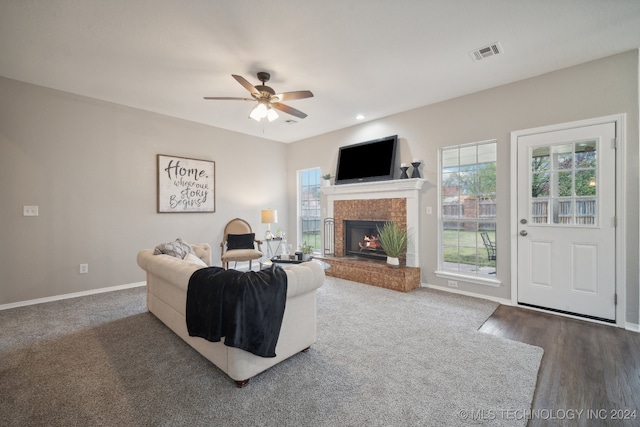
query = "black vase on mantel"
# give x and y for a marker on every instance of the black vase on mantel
(416, 171)
(404, 170)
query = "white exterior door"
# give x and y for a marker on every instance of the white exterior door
(566, 220)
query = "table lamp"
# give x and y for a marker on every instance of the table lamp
(269, 216)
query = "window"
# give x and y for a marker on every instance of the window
(468, 209)
(309, 208)
(563, 184)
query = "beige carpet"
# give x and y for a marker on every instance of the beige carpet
(383, 358)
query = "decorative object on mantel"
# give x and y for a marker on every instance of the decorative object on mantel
(404, 168)
(393, 240)
(269, 216)
(326, 180)
(416, 171)
(185, 185)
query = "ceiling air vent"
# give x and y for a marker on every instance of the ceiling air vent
(486, 52)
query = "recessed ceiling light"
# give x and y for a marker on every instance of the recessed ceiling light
(360, 117)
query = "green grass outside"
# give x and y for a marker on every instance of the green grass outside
(466, 247)
(312, 239)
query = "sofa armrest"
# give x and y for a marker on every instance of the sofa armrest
(303, 278)
(167, 267)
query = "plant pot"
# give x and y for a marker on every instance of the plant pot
(393, 262)
(326, 182)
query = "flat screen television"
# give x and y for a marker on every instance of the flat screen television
(367, 161)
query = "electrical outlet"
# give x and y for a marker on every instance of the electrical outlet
(429, 210)
(452, 284)
(29, 211)
(84, 268)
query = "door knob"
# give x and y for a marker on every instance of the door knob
(523, 233)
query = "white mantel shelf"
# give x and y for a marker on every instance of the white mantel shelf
(395, 186)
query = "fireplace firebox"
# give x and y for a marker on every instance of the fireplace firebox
(362, 239)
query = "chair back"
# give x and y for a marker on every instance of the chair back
(489, 245)
(236, 226)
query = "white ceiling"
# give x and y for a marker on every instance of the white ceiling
(371, 57)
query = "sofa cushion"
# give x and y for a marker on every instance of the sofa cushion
(178, 248)
(240, 241)
(194, 260)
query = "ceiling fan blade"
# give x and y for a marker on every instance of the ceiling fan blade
(288, 110)
(248, 86)
(290, 96)
(228, 98)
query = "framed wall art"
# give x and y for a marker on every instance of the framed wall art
(185, 185)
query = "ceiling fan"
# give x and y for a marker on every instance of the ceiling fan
(268, 99)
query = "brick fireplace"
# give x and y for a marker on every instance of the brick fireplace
(398, 201)
(366, 210)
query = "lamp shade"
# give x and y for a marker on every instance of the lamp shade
(269, 216)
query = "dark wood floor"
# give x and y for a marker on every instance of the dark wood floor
(586, 366)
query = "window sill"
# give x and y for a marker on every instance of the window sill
(477, 279)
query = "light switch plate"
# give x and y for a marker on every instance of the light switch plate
(29, 211)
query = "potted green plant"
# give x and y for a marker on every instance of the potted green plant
(393, 240)
(306, 250)
(326, 179)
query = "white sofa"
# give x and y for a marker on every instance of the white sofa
(167, 282)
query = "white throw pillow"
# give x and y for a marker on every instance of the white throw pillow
(194, 260)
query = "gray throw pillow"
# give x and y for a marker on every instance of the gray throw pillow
(178, 248)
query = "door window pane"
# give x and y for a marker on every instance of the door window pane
(564, 177)
(586, 183)
(585, 154)
(540, 184)
(562, 156)
(565, 184)
(540, 211)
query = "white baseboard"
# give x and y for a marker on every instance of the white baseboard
(71, 295)
(469, 294)
(632, 327)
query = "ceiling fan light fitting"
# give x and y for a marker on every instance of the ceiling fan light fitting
(259, 112)
(271, 114)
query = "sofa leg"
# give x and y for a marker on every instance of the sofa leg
(242, 383)
(306, 350)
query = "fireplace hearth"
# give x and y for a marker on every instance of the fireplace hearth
(362, 239)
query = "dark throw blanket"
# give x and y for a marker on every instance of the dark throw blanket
(244, 308)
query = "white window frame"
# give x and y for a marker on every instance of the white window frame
(442, 272)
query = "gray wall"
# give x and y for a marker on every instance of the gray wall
(90, 166)
(599, 88)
